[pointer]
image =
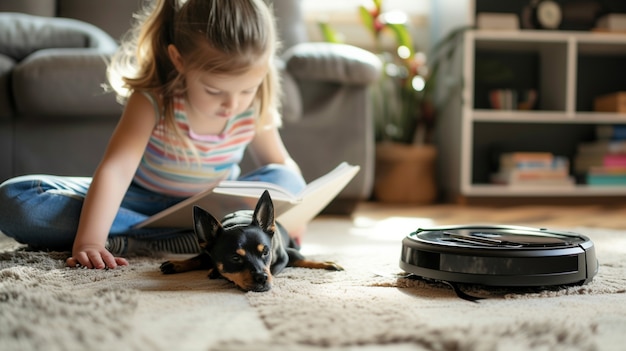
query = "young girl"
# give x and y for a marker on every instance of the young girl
(199, 87)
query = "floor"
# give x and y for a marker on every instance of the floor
(172, 311)
(549, 216)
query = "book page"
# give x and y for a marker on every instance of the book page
(317, 196)
(293, 211)
(254, 189)
(323, 181)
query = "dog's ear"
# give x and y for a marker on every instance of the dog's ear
(264, 214)
(205, 225)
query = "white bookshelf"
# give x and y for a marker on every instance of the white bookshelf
(568, 69)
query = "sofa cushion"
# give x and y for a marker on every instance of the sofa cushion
(63, 83)
(60, 66)
(338, 63)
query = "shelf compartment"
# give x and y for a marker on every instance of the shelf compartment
(490, 139)
(600, 71)
(520, 63)
(567, 68)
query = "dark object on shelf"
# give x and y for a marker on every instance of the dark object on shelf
(546, 14)
(499, 256)
(497, 21)
(551, 14)
(575, 14)
(611, 22)
(509, 99)
(615, 102)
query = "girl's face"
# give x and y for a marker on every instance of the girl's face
(222, 96)
(212, 96)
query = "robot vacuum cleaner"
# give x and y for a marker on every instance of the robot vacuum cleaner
(499, 256)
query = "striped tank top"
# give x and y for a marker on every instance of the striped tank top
(164, 171)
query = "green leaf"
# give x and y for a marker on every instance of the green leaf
(367, 19)
(403, 36)
(328, 33)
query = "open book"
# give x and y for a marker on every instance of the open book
(292, 210)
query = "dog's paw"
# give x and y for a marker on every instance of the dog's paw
(168, 267)
(214, 274)
(332, 266)
(329, 266)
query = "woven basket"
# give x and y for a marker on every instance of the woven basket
(405, 173)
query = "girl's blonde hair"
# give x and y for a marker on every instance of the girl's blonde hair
(215, 36)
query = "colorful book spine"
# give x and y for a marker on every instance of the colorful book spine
(602, 147)
(611, 132)
(605, 179)
(614, 160)
(606, 175)
(526, 160)
(532, 168)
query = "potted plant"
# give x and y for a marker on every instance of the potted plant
(402, 107)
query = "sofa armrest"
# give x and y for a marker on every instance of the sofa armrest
(337, 63)
(60, 66)
(22, 35)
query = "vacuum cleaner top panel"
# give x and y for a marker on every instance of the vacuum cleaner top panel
(498, 237)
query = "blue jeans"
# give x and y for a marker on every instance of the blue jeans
(43, 210)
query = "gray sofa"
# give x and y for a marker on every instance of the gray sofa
(55, 117)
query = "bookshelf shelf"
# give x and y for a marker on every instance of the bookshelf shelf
(488, 190)
(484, 115)
(568, 70)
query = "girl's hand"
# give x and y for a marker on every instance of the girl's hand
(94, 257)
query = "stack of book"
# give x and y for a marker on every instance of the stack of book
(533, 169)
(603, 162)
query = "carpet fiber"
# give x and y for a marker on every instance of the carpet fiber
(369, 306)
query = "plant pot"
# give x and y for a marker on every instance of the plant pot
(405, 173)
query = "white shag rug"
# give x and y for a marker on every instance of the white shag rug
(44, 305)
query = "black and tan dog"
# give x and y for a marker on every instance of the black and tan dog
(247, 248)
